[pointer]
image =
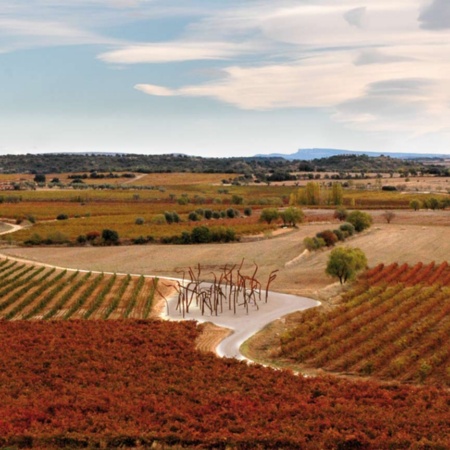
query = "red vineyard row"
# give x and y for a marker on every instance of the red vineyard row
(133, 383)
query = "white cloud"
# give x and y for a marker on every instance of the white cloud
(171, 52)
(158, 91)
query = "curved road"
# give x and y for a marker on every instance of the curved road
(244, 326)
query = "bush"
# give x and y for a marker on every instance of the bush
(347, 228)
(314, 243)
(193, 216)
(388, 188)
(223, 234)
(92, 235)
(340, 214)
(360, 220)
(216, 215)
(159, 219)
(200, 235)
(139, 221)
(62, 217)
(140, 240)
(341, 235)
(269, 215)
(232, 213)
(35, 239)
(56, 238)
(110, 236)
(328, 236)
(208, 214)
(81, 239)
(248, 211)
(237, 199)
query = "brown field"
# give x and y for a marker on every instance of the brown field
(400, 241)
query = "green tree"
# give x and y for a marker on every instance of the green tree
(291, 216)
(345, 262)
(337, 194)
(269, 215)
(312, 193)
(360, 220)
(415, 204)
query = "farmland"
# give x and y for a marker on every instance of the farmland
(31, 292)
(393, 324)
(86, 367)
(128, 384)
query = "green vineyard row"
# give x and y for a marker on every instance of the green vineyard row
(29, 292)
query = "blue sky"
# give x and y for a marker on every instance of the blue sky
(224, 78)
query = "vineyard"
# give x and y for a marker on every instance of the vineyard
(142, 384)
(36, 292)
(393, 325)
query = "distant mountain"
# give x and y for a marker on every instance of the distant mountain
(308, 154)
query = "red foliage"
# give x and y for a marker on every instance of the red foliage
(129, 383)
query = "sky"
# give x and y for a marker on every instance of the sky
(224, 78)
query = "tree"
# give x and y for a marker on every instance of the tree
(340, 214)
(388, 216)
(360, 220)
(39, 178)
(337, 194)
(291, 216)
(110, 236)
(345, 262)
(269, 215)
(415, 204)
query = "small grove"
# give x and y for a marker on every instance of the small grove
(393, 324)
(142, 384)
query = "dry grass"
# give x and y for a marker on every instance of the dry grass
(401, 242)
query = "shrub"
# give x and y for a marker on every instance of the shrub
(360, 220)
(415, 204)
(208, 214)
(56, 238)
(193, 216)
(140, 240)
(92, 235)
(269, 215)
(62, 217)
(35, 239)
(328, 236)
(314, 243)
(236, 199)
(232, 213)
(81, 239)
(389, 188)
(248, 211)
(110, 236)
(200, 235)
(139, 221)
(341, 235)
(159, 219)
(347, 228)
(223, 234)
(340, 214)
(216, 215)
(291, 216)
